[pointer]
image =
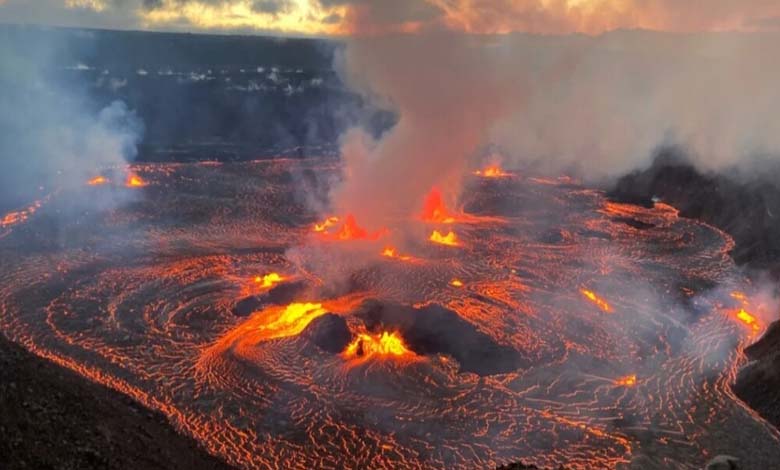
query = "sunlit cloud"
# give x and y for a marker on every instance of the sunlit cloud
(293, 16)
(95, 5)
(370, 17)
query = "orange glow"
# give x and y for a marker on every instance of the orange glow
(351, 230)
(291, 321)
(98, 180)
(326, 224)
(268, 280)
(492, 171)
(748, 319)
(13, 218)
(17, 217)
(456, 283)
(134, 181)
(601, 303)
(390, 252)
(383, 345)
(434, 209)
(450, 239)
(627, 381)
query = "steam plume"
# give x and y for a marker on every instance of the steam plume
(594, 106)
(51, 133)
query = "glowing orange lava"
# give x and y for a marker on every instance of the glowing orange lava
(627, 381)
(456, 283)
(745, 317)
(351, 230)
(434, 209)
(382, 345)
(492, 171)
(600, 303)
(268, 280)
(290, 321)
(17, 217)
(97, 181)
(326, 224)
(390, 252)
(450, 239)
(134, 181)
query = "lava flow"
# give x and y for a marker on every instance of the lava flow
(390, 252)
(134, 181)
(382, 345)
(268, 280)
(466, 358)
(627, 381)
(434, 209)
(97, 181)
(492, 171)
(348, 230)
(598, 301)
(450, 239)
(326, 224)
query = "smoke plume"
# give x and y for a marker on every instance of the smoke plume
(52, 135)
(595, 107)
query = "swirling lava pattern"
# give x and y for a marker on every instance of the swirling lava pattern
(138, 296)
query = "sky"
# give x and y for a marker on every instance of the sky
(372, 17)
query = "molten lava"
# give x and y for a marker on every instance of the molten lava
(350, 230)
(97, 181)
(600, 303)
(381, 345)
(17, 217)
(627, 381)
(492, 171)
(268, 280)
(326, 224)
(290, 321)
(390, 252)
(450, 239)
(742, 314)
(434, 209)
(456, 283)
(745, 317)
(134, 181)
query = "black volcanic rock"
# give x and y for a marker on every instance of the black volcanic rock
(434, 329)
(53, 418)
(278, 295)
(637, 224)
(746, 207)
(758, 383)
(246, 306)
(330, 332)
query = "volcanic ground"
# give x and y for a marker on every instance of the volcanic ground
(550, 326)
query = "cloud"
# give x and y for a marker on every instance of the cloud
(272, 7)
(382, 16)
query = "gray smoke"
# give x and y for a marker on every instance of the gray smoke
(595, 107)
(52, 135)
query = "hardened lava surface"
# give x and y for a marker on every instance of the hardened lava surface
(624, 325)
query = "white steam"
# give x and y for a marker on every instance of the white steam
(594, 106)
